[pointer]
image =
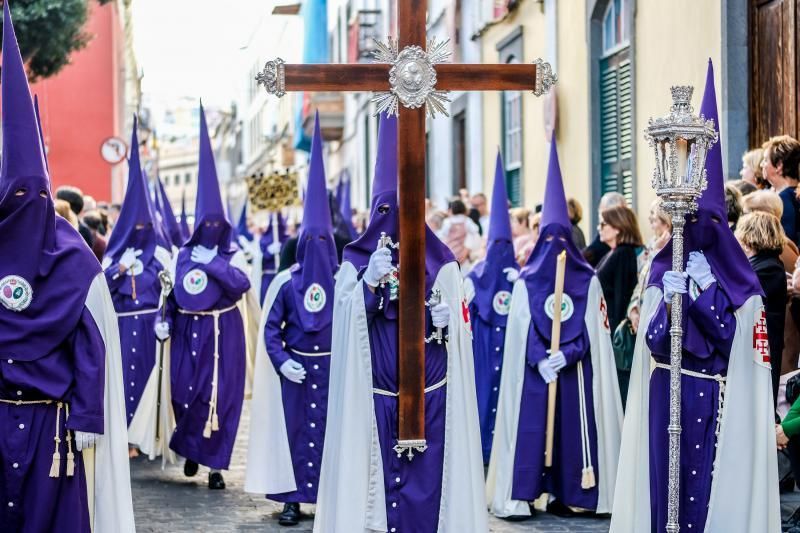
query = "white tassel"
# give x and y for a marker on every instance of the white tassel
(588, 481)
(55, 466)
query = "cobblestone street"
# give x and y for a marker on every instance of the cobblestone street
(167, 502)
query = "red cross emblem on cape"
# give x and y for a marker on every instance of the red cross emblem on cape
(604, 313)
(760, 339)
(465, 315)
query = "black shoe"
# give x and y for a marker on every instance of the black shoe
(215, 481)
(290, 515)
(559, 509)
(189, 468)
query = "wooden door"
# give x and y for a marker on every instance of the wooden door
(773, 69)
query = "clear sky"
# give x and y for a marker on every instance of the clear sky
(193, 47)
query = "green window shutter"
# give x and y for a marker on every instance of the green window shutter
(616, 125)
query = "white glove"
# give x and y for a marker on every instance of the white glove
(128, 258)
(203, 255)
(546, 370)
(274, 248)
(244, 244)
(293, 371)
(557, 360)
(84, 440)
(699, 270)
(380, 264)
(512, 274)
(162, 330)
(674, 283)
(440, 315)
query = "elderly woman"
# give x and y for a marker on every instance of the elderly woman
(781, 168)
(761, 237)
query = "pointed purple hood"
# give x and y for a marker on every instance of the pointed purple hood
(136, 227)
(242, 228)
(211, 227)
(539, 272)
(708, 231)
(492, 289)
(384, 217)
(46, 268)
(345, 204)
(168, 215)
(317, 261)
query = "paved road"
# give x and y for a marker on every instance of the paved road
(167, 502)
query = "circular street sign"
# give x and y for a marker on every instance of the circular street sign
(113, 150)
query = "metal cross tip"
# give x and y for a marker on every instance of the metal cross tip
(545, 77)
(273, 77)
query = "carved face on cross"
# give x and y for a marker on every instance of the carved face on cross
(412, 80)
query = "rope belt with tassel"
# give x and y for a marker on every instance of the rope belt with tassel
(55, 466)
(212, 422)
(588, 480)
(136, 313)
(716, 377)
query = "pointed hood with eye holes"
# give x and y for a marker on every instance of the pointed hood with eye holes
(539, 273)
(136, 225)
(170, 222)
(488, 276)
(707, 231)
(384, 216)
(46, 268)
(317, 262)
(211, 229)
(185, 231)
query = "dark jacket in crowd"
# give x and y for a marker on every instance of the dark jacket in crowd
(618, 273)
(577, 236)
(790, 220)
(596, 251)
(772, 275)
(289, 250)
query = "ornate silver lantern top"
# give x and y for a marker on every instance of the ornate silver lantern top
(681, 141)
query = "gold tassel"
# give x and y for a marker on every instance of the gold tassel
(55, 466)
(207, 430)
(588, 481)
(214, 422)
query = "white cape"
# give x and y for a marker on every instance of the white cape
(108, 480)
(605, 395)
(744, 489)
(351, 492)
(269, 459)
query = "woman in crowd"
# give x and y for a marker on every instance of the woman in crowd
(618, 270)
(761, 237)
(780, 168)
(733, 205)
(751, 169)
(575, 216)
(523, 235)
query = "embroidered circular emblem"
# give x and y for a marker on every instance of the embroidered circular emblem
(195, 281)
(567, 308)
(501, 302)
(136, 269)
(315, 298)
(16, 294)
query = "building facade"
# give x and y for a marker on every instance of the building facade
(90, 100)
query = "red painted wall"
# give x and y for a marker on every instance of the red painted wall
(81, 106)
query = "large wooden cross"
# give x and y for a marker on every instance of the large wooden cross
(406, 76)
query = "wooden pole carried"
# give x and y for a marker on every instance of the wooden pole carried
(555, 343)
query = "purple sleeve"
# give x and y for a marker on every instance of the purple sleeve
(228, 276)
(713, 314)
(658, 336)
(535, 350)
(115, 277)
(87, 399)
(273, 332)
(372, 301)
(576, 349)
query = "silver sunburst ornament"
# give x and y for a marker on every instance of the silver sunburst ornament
(412, 78)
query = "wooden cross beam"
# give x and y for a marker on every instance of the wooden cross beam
(279, 78)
